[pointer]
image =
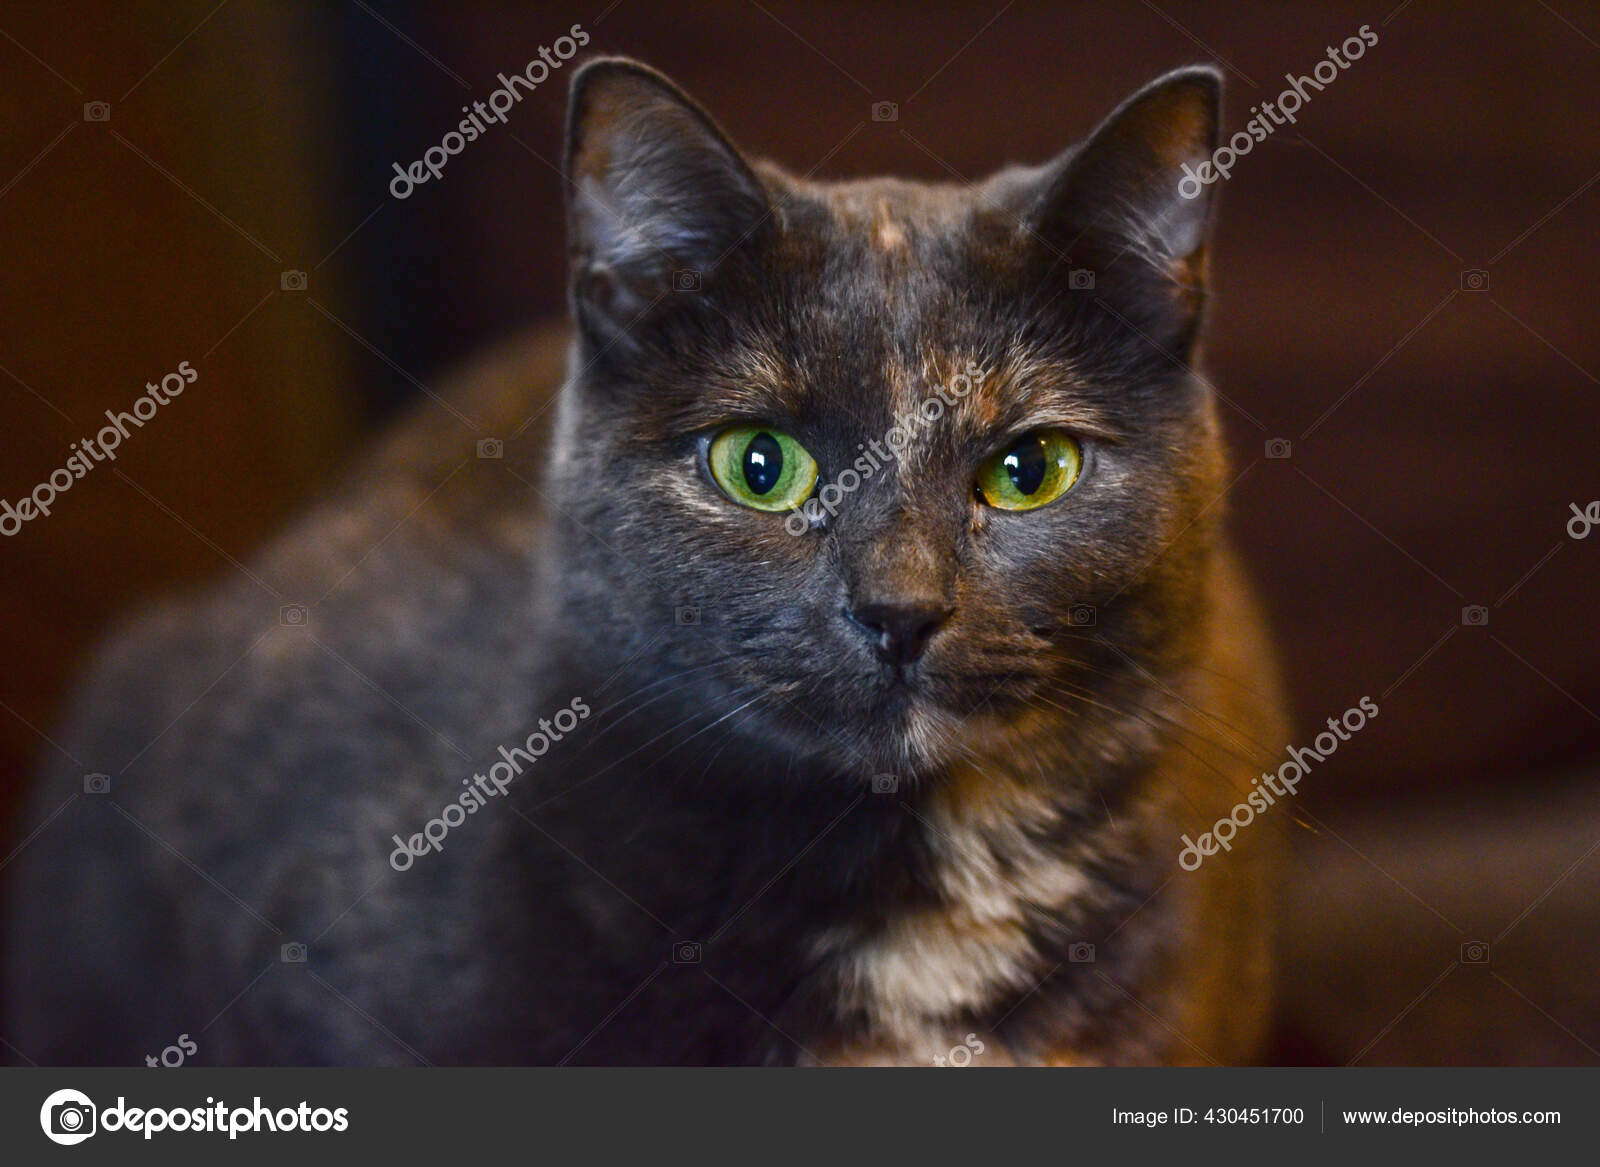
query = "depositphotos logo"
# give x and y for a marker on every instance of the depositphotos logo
(70, 1116)
(1280, 783)
(67, 1117)
(480, 117)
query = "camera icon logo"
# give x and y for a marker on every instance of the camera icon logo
(1475, 616)
(292, 953)
(687, 616)
(491, 448)
(885, 784)
(292, 281)
(294, 615)
(885, 111)
(1080, 279)
(97, 111)
(685, 280)
(1081, 616)
(97, 783)
(1474, 279)
(68, 1117)
(1279, 448)
(960, 1056)
(1081, 953)
(1475, 952)
(686, 952)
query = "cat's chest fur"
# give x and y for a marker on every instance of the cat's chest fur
(860, 926)
(914, 971)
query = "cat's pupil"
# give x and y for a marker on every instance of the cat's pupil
(1026, 464)
(763, 463)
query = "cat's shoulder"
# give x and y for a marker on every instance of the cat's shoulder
(426, 537)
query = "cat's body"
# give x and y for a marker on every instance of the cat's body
(763, 840)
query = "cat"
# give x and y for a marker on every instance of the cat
(820, 664)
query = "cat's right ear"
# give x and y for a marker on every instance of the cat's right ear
(658, 200)
(1118, 207)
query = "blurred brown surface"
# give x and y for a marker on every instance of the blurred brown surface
(120, 263)
(1438, 435)
(1469, 943)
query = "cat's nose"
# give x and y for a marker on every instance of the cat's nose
(899, 631)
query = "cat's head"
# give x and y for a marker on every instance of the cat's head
(871, 469)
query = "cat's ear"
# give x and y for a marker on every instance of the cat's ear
(658, 199)
(1127, 193)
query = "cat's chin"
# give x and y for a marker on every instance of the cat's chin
(913, 733)
(908, 734)
(927, 735)
(903, 733)
(911, 729)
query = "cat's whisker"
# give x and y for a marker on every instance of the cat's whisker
(1135, 752)
(1139, 711)
(713, 725)
(668, 679)
(610, 727)
(612, 765)
(1089, 667)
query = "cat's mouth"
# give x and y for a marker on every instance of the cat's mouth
(876, 715)
(901, 687)
(900, 682)
(916, 714)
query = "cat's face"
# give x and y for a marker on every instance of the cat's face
(873, 469)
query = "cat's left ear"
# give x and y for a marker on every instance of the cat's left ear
(658, 199)
(1126, 193)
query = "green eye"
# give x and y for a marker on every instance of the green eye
(762, 468)
(1036, 469)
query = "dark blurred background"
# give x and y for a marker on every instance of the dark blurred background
(1440, 424)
